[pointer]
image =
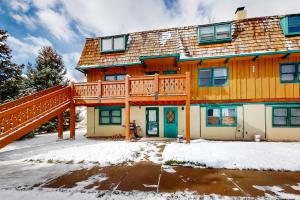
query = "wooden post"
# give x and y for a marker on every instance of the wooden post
(127, 109)
(60, 125)
(188, 109)
(156, 82)
(72, 114)
(99, 89)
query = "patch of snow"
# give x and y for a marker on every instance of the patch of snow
(150, 186)
(93, 179)
(168, 169)
(278, 191)
(235, 189)
(296, 187)
(164, 37)
(236, 155)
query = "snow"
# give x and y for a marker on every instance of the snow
(236, 155)
(168, 169)
(164, 37)
(296, 187)
(278, 191)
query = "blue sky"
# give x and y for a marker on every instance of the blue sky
(64, 25)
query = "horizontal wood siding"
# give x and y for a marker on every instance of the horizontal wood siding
(263, 83)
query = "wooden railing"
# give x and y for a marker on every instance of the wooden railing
(157, 85)
(28, 115)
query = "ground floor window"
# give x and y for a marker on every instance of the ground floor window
(286, 116)
(115, 77)
(224, 116)
(110, 117)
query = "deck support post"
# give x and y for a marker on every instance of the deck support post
(127, 109)
(60, 125)
(72, 114)
(188, 109)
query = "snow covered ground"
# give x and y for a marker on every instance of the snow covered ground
(236, 155)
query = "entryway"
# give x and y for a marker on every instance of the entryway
(152, 122)
(170, 122)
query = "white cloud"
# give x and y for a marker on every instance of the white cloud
(19, 5)
(26, 49)
(70, 60)
(28, 21)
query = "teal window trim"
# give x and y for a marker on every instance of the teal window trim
(221, 116)
(115, 75)
(289, 116)
(212, 69)
(284, 23)
(110, 116)
(112, 43)
(170, 72)
(297, 71)
(214, 40)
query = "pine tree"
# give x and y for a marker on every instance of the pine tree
(10, 73)
(49, 71)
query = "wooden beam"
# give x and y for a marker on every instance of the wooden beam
(188, 108)
(127, 109)
(285, 56)
(255, 58)
(72, 114)
(60, 125)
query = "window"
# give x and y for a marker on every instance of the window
(214, 33)
(290, 73)
(291, 25)
(286, 116)
(114, 43)
(110, 117)
(170, 72)
(221, 116)
(114, 77)
(213, 77)
(151, 73)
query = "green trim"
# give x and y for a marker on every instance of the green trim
(240, 55)
(108, 66)
(170, 72)
(157, 119)
(221, 116)
(109, 107)
(112, 43)
(212, 73)
(297, 71)
(110, 110)
(115, 75)
(291, 104)
(288, 118)
(142, 58)
(284, 23)
(215, 40)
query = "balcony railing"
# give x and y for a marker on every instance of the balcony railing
(143, 86)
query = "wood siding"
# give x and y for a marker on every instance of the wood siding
(243, 82)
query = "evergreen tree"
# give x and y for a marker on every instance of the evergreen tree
(49, 71)
(10, 73)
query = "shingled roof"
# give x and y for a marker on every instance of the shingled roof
(263, 34)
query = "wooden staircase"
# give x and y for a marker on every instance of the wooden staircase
(21, 116)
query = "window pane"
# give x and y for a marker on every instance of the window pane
(205, 82)
(207, 33)
(121, 77)
(110, 77)
(280, 121)
(116, 113)
(119, 43)
(213, 116)
(104, 113)
(116, 120)
(228, 116)
(295, 112)
(280, 112)
(205, 73)
(288, 68)
(295, 121)
(288, 77)
(220, 81)
(294, 24)
(104, 120)
(220, 72)
(205, 77)
(106, 44)
(222, 31)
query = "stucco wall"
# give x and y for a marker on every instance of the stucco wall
(280, 134)
(221, 133)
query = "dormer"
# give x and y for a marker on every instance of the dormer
(290, 25)
(115, 43)
(214, 33)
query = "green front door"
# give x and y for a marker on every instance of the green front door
(152, 125)
(170, 122)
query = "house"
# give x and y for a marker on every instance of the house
(222, 81)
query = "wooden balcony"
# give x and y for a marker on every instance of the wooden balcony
(157, 88)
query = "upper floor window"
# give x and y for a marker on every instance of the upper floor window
(213, 76)
(291, 25)
(286, 116)
(113, 43)
(290, 73)
(214, 33)
(114, 77)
